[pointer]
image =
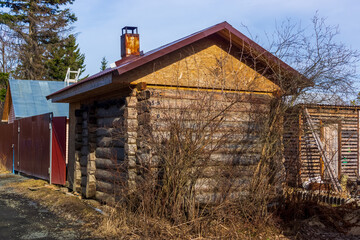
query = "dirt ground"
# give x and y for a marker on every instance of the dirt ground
(22, 216)
(33, 209)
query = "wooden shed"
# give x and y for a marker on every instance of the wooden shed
(114, 113)
(314, 132)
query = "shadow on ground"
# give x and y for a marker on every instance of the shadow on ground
(23, 218)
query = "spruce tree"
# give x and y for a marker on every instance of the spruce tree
(104, 64)
(61, 58)
(41, 27)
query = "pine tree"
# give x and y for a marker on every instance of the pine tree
(4, 78)
(104, 64)
(61, 58)
(40, 26)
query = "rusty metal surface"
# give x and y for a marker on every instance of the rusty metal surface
(130, 45)
(34, 146)
(6, 141)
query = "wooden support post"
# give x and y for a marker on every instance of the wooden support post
(328, 167)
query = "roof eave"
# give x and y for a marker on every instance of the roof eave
(65, 95)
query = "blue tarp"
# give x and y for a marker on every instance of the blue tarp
(29, 98)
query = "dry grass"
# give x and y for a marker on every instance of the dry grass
(3, 168)
(124, 224)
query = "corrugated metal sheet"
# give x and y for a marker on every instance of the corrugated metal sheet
(29, 98)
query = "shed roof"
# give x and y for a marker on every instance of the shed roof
(29, 98)
(124, 65)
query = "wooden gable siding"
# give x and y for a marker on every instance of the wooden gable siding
(207, 63)
(304, 160)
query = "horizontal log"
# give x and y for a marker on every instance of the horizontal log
(225, 171)
(110, 153)
(240, 130)
(131, 125)
(110, 122)
(107, 164)
(131, 101)
(212, 126)
(219, 160)
(221, 184)
(83, 161)
(206, 106)
(85, 132)
(130, 113)
(203, 116)
(112, 111)
(130, 149)
(110, 141)
(143, 106)
(104, 187)
(84, 150)
(109, 132)
(110, 176)
(215, 96)
(105, 198)
(144, 118)
(143, 95)
(242, 159)
(83, 171)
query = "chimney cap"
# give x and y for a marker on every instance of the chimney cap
(130, 28)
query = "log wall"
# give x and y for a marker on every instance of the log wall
(101, 148)
(236, 131)
(303, 159)
(112, 147)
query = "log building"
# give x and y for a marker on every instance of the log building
(217, 74)
(337, 127)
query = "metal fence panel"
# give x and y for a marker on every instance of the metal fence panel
(34, 146)
(6, 149)
(30, 141)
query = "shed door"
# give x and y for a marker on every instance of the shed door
(331, 145)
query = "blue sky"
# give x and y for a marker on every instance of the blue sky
(162, 21)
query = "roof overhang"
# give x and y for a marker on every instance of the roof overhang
(86, 86)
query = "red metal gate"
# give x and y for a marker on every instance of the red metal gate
(58, 164)
(34, 146)
(6, 145)
(32, 142)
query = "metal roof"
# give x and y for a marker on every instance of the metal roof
(29, 98)
(223, 29)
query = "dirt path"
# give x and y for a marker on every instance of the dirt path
(23, 218)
